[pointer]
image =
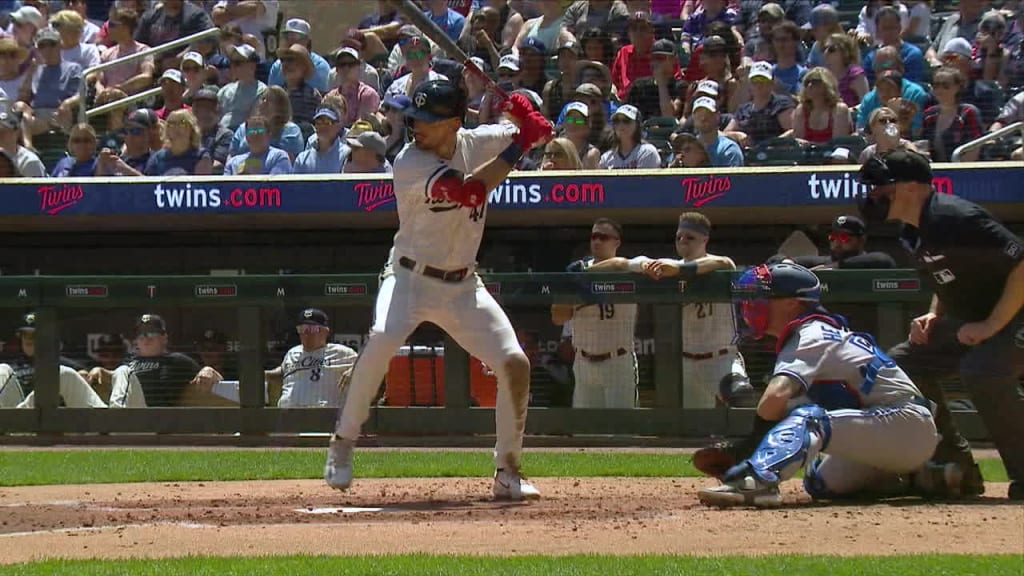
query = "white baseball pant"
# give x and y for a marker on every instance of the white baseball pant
(471, 316)
(608, 384)
(125, 389)
(702, 377)
(73, 388)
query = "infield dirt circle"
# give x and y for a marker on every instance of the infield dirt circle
(455, 515)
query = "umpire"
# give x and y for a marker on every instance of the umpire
(975, 325)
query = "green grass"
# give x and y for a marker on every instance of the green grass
(424, 565)
(31, 467)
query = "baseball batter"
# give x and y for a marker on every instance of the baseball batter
(848, 412)
(602, 334)
(313, 373)
(441, 183)
(713, 369)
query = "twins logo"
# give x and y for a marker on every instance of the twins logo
(421, 100)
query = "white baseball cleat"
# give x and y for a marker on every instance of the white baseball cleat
(746, 492)
(338, 469)
(510, 485)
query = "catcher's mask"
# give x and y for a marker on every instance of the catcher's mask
(756, 285)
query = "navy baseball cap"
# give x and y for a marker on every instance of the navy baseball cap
(150, 325)
(28, 323)
(436, 100)
(899, 165)
(397, 102)
(532, 43)
(313, 316)
(849, 223)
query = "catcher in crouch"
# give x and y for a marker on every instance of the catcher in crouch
(845, 410)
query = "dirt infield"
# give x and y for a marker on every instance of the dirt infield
(454, 515)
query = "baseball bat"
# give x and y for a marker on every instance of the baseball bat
(431, 30)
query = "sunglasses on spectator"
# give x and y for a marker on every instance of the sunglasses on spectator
(309, 329)
(886, 121)
(324, 121)
(831, 48)
(416, 54)
(239, 62)
(575, 120)
(990, 28)
(621, 120)
(602, 236)
(554, 154)
(840, 237)
(134, 130)
(349, 63)
(255, 131)
(813, 82)
(188, 69)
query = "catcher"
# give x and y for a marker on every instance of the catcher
(315, 373)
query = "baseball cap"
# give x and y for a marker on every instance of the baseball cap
(28, 323)
(761, 69)
(212, 337)
(533, 97)
(572, 46)
(328, 112)
(370, 140)
(534, 44)
(9, 119)
(348, 52)
(772, 11)
(194, 57)
(297, 25)
(437, 100)
(822, 15)
(706, 103)
(629, 111)
(47, 35)
(397, 102)
(588, 89)
(849, 223)
(664, 46)
(907, 166)
(109, 343)
(205, 94)
(149, 325)
(245, 52)
(707, 87)
(958, 46)
(509, 62)
(29, 15)
(172, 74)
(714, 45)
(479, 63)
(313, 316)
(358, 127)
(411, 32)
(142, 117)
(578, 107)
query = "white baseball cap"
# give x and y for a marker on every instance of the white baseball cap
(958, 46)
(245, 51)
(194, 57)
(761, 69)
(706, 103)
(629, 111)
(348, 51)
(578, 107)
(30, 15)
(509, 62)
(297, 25)
(172, 74)
(709, 87)
(479, 63)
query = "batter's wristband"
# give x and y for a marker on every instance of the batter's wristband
(512, 154)
(688, 270)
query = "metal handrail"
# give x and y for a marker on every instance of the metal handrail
(964, 148)
(83, 87)
(122, 102)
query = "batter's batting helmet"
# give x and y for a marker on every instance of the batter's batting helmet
(436, 100)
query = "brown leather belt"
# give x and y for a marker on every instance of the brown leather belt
(429, 271)
(605, 356)
(705, 355)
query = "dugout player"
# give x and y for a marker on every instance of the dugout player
(313, 373)
(441, 181)
(975, 325)
(602, 334)
(713, 370)
(846, 248)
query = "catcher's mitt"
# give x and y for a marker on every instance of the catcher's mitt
(715, 460)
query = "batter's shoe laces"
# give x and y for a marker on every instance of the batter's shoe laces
(509, 484)
(747, 491)
(338, 468)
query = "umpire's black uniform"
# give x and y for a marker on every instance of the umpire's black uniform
(967, 256)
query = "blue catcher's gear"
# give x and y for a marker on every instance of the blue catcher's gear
(758, 284)
(787, 446)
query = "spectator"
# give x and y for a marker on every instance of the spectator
(867, 30)
(889, 34)
(788, 69)
(172, 91)
(841, 59)
(767, 115)
(52, 95)
(1013, 70)
(630, 150)
(602, 14)
(26, 22)
(483, 38)
(986, 95)
(821, 115)
(633, 60)
(393, 125)
(846, 243)
(298, 70)
(883, 129)
(183, 153)
(711, 11)
(169, 20)
(328, 152)
(194, 74)
(103, 36)
(261, 157)
(599, 112)
(918, 30)
(688, 152)
(238, 99)
(560, 154)
(90, 31)
(12, 78)
(758, 45)
(82, 150)
(7, 167)
(361, 100)
(911, 98)
(532, 65)
(597, 74)
(382, 26)
(138, 136)
(416, 51)
(950, 123)
(990, 54)
(26, 163)
(311, 373)
(110, 125)
(662, 93)
(367, 156)
(722, 150)
(1011, 113)
(963, 23)
(131, 77)
(297, 31)
(824, 23)
(450, 21)
(70, 25)
(714, 63)
(561, 89)
(213, 137)
(283, 133)
(750, 11)
(597, 46)
(548, 29)
(254, 17)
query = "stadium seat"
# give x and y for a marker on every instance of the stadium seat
(776, 152)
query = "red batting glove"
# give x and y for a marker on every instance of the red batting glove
(518, 106)
(470, 194)
(533, 128)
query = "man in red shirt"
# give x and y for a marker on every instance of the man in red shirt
(634, 59)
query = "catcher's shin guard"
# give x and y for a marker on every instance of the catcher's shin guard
(787, 446)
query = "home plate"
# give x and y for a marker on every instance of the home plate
(344, 510)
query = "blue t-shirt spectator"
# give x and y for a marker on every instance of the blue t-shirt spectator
(272, 161)
(451, 22)
(319, 80)
(68, 167)
(909, 91)
(312, 161)
(290, 140)
(789, 78)
(54, 84)
(913, 63)
(698, 21)
(725, 152)
(163, 163)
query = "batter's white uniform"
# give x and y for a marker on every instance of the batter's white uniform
(709, 354)
(75, 391)
(446, 236)
(605, 365)
(310, 378)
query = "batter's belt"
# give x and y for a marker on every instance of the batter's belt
(706, 355)
(605, 356)
(436, 273)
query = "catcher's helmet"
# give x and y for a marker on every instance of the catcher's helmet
(436, 100)
(782, 280)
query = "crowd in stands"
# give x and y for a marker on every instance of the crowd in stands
(628, 84)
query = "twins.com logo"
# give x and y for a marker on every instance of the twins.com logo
(193, 198)
(846, 186)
